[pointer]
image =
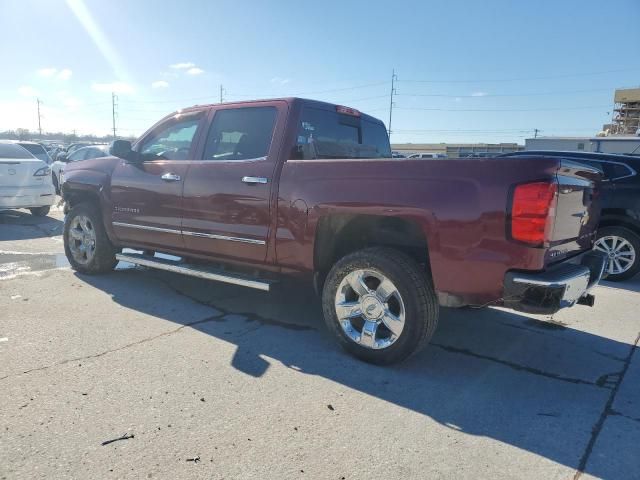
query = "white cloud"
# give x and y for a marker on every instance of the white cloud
(159, 84)
(182, 66)
(27, 91)
(280, 80)
(195, 71)
(116, 87)
(47, 72)
(51, 72)
(479, 94)
(64, 74)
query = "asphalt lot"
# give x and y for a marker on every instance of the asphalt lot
(214, 381)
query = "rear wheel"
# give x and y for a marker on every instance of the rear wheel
(40, 211)
(86, 244)
(380, 305)
(622, 247)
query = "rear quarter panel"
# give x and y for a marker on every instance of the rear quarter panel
(460, 205)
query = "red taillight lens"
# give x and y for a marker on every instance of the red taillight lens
(533, 212)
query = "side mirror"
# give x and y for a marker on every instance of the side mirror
(122, 149)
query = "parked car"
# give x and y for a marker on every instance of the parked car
(427, 155)
(479, 155)
(25, 181)
(619, 228)
(307, 190)
(84, 153)
(397, 155)
(33, 148)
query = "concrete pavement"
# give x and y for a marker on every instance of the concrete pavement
(215, 381)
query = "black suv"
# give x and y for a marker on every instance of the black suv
(619, 228)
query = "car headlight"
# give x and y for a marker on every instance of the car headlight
(42, 172)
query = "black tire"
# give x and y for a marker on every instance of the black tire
(40, 211)
(631, 237)
(56, 184)
(414, 286)
(104, 258)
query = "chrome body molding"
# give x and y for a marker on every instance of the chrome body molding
(191, 234)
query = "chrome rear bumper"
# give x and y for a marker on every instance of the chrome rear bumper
(561, 286)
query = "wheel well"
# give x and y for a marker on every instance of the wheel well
(75, 197)
(620, 220)
(339, 235)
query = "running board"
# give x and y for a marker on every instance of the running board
(193, 270)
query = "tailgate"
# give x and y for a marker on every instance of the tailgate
(577, 211)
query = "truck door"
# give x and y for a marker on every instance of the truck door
(227, 200)
(147, 195)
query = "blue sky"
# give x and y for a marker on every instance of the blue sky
(467, 70)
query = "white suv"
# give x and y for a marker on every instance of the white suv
(25, 181)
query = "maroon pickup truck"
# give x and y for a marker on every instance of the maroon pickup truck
(248, 193)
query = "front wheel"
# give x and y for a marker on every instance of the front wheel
(380, 305)
(86, 244)
(622, 247)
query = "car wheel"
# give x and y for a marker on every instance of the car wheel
(86, 244)
(40, 211)
(622, 246)
(380, 305)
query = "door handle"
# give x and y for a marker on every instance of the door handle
(170, 177)
(254, 180)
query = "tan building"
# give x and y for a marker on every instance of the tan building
(454, 150)
(626, 112)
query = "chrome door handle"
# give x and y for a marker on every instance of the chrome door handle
(254, 180)
(170, 177)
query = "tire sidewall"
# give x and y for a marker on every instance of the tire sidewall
(411, 335)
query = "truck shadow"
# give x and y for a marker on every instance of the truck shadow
(631, 285)
(536, 385)
(36, 227)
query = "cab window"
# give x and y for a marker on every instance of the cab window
(240, 133)
(172, 140)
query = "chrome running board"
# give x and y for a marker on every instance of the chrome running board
(199, 271)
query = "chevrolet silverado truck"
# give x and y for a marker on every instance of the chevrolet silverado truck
(249, 193)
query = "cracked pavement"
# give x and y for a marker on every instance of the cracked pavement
(203, 380)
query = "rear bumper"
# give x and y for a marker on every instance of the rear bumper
(561, 286)
(26, 197)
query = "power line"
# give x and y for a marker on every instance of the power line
(222, 91)
(505, 109)
(519, 79)
(485, 95)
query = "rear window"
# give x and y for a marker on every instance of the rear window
(33, 148)
(323, 134)
(8, 150)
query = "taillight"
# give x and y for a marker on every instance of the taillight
(533, 212)
(42, 172)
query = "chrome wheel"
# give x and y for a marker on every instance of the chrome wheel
(621, 253)
(370, 309)
(82, 239)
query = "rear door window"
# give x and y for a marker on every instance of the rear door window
(240, 133)
(10, 150)
(326, 134)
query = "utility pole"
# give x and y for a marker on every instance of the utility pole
(39, 124)
(535, 133)
(114, 98)
(221, 94)
(394, 77)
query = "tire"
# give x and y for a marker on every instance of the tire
(40, 211)
(630, 249)
(417, 305)
(56, 184)
(100, 257)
